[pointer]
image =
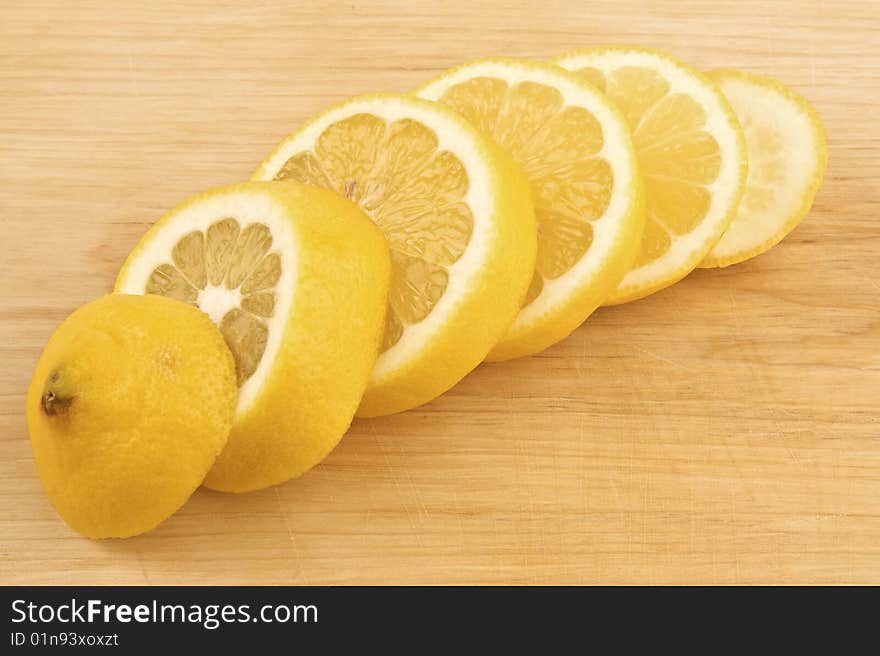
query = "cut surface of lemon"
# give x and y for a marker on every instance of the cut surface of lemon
(787, 157)
(296, 279)
(458, 219)
(576, 151)
(691, 153)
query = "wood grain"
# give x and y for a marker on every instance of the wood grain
(722, 431)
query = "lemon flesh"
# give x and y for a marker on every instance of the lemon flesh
(456, 213)
(231, 274)
(131, 402)
(576, 152)
(691, 154)
(787, 158)
(296, 279)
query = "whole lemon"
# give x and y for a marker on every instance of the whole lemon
(131, 402)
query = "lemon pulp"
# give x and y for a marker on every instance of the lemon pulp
(230, 273)
(679, 158)
(558, 148)
(412, 189)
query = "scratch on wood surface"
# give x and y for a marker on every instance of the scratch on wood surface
(421, 509)
(646, 537)
(143, 566)
(361, 466)
(732, 513)
(131, 74)
(579, 362)
(769, 36)
(743, 480)
(413, 524)
(659, 358)
(290, 535)
(280, 505)
(731, 294)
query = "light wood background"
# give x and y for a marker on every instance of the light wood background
(722, 431)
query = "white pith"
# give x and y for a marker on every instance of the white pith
(217, 300)
(558, 292)
(685, 251)
(765, 106)
(245, 207)
(454, 137)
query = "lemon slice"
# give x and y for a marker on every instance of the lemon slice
(577, 154)
(296, 278)
(787, 156)
(456, 212)
(691, 153)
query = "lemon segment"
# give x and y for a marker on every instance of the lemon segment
(691, 153)
(458, 219)
(296, 279)
(576, 151)
(130, 403)
(787, 158)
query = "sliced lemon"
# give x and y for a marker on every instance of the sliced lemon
(691, 153)
(458, 218)
(787, 157)
(296, 279)
(577, 154)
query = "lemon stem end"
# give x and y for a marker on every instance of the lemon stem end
(52, 401)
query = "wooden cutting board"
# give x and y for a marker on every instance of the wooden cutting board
(722, 431)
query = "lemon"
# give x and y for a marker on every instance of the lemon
(577, 154)
(458, 218)
(296, 278)
(787, 157)
(131, 401)
(691, 153)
